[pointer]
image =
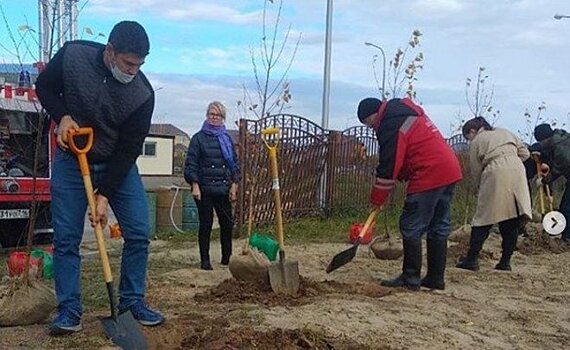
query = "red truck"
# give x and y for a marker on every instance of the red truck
(20, 123)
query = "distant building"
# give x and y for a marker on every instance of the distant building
(157, 156)
(180, 137)
(164, 150)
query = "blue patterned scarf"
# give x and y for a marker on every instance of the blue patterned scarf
(225, 142)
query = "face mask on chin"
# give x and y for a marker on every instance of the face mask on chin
(121, 77)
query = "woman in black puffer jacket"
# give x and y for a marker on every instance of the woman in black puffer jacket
(212, 169)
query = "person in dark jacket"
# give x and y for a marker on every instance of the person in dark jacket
(556, 145)
(87, 84)
(212, 169)
(413, 150)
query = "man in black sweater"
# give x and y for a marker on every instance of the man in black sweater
(87, 84)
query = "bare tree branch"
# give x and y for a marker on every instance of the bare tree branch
(269, 58)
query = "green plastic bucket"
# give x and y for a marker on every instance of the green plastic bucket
(265, 244)
(151, 200)
(47, 264)
(190, 219)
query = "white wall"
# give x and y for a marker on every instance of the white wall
(161, 162)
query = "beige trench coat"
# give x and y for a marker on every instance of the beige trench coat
(496, 158)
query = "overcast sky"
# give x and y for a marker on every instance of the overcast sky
(200, 51)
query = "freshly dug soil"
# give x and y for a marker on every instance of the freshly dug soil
(232, 291)
(462, 234)
(538, 242)
(456, 251)
(218, 337)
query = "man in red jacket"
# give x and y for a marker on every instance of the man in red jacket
(413, 150)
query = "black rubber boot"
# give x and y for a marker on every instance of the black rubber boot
(411, 270)
(436, 260)
(204, 245)
(508, 246)
(471, 261)
(504, 264)
(205, 265)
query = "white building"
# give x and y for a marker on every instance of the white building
(157, 156)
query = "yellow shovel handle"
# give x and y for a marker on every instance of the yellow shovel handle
(275, 181)
(266, 133)
(81, 154)
(549, 196)
(369, 222)
(536, 158)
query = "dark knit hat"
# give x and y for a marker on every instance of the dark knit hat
(367, 107)
(543, 132)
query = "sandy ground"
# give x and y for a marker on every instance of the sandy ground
(523, 309)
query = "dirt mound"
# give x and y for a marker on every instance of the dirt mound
(232, 291)
(463, 233)
(541, 242)
(455, 251)
(198, 331)
(217, 337)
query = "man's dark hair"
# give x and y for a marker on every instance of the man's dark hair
(129, 37)
(476, 124)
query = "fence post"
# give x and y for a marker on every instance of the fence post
(242, 155)
(330, 168)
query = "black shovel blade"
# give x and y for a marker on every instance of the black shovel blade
(125, 332)
(343, 257)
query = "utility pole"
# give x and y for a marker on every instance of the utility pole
(57, 23)
(327, 71)
(326, 95)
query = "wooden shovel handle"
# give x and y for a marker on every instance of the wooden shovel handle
(369, 222)
(98, 229)
(549, 196)
(81, 154)
(536, 158)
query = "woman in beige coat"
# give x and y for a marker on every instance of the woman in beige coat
(496, 157)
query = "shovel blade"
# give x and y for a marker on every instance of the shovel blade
(343, 257)
(284, 277)
(125, 332)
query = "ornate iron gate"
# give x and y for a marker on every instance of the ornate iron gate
(302, 155)
(354, 156)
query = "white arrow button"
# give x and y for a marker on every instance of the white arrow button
(554, 223)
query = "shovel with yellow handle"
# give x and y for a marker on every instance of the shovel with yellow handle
(347, 255)
(123, 329)
(283, 274)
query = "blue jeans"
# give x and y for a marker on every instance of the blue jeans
(69, 205)
(427, 212)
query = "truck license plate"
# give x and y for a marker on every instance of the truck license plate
(14, 214)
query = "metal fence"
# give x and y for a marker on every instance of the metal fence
(320, 170)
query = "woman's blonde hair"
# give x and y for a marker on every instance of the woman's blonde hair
(218, 106)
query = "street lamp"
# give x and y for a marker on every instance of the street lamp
(383, 67)
(559, 16)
